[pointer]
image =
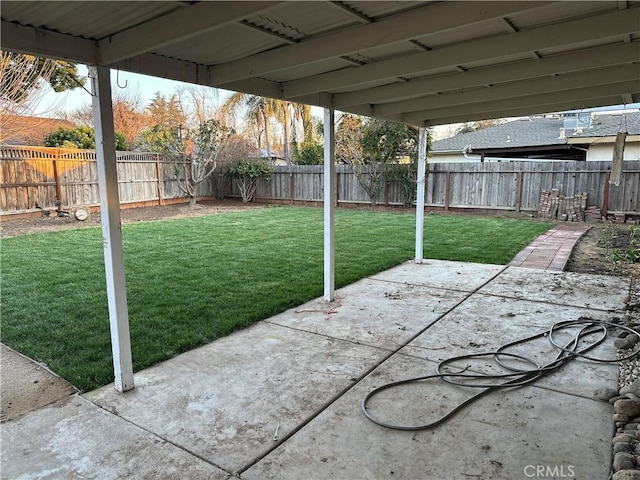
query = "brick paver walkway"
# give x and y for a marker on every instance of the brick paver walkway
(551, 250)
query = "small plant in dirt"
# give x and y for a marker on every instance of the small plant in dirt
(247, 173)
(628, 246)
(609, 235)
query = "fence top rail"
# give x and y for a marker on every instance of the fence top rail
(17, 152)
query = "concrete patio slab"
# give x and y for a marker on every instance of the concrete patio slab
(387, 317)
(225, 401)
(26, 385)
(504, 435)
(465, 277)
(565, 288)
(483, 323)
(76, 439)
(213, 412)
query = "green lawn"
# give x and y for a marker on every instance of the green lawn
(192, 280)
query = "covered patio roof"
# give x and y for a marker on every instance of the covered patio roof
(419, 62)
(423, 63)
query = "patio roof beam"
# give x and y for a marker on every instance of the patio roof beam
(599, 57)
(542, 108)
(524, 103)
(35, 41)
(405, 26)
(548, 84)
(183, 71)
(184, 23)
(606, 26)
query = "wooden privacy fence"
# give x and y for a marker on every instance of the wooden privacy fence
(494, 186)
(30, 175)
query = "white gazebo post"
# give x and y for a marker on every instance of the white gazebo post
(422, 161)
(329, 195)
(111, 228)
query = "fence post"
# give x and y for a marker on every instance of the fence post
(337, 189)
(518, 191)
(159, 175)
(605, 194)
(447, 191)
(292, 186)
(56, 176)
(386, 194)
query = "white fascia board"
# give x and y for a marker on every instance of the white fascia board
(399, 28)
(525, 101)
(178, 25)
(44, 43)
(606, 139)
(506, 112)
(573, 32)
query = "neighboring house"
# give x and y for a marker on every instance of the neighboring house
(277, 156)
(575, 136)
(20, 130)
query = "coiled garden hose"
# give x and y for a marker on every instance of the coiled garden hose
(592, 332)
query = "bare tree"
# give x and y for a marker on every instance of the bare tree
(23, 80)
(197, 156)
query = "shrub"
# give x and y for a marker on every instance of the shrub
(310, 154)
(247, 173)
(80, 137)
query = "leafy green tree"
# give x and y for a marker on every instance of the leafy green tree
(385, 142)
(80, 137)
(247, 173)
(310, 154)
(167, 125)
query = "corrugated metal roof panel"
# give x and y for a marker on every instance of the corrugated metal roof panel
(231, 42)
(378, 10)
(557, 12)
(94, 20)
(299, 20)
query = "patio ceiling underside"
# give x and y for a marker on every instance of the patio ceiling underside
(423, 63)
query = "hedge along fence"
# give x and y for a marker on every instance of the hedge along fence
(30, 175)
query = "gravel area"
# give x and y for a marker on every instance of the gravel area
(626, 400)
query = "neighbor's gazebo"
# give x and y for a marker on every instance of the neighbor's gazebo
(420, 62)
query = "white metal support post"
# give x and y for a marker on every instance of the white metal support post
(111, 228)
(329, 209)
(422, 163)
